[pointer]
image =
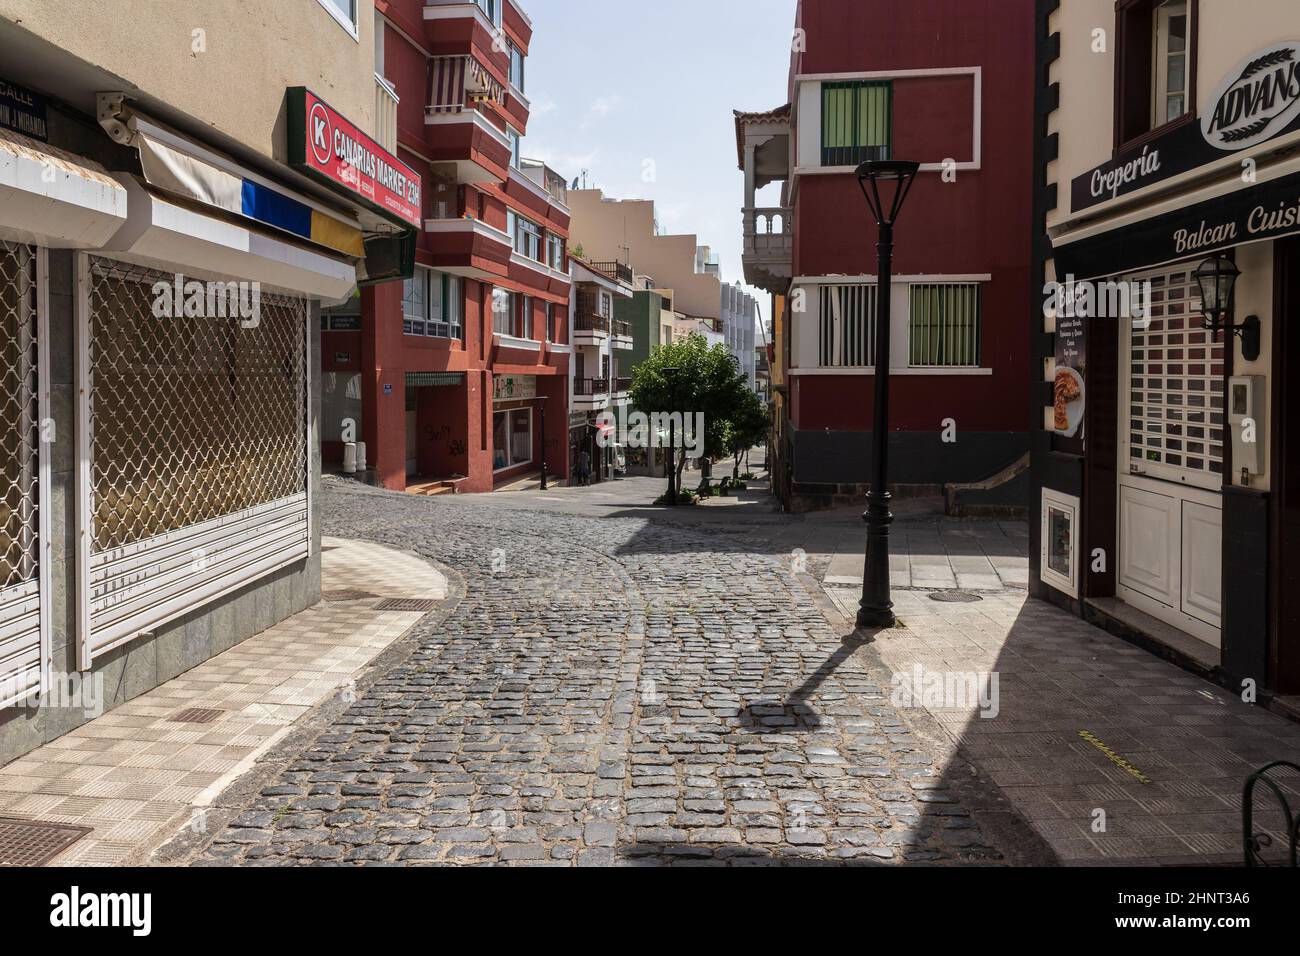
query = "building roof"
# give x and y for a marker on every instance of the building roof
(744, 119)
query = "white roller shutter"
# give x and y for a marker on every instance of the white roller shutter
(194, 458)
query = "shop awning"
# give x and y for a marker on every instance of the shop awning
(1263, 211)
(180, 167)
(54, 198)
(174, 238)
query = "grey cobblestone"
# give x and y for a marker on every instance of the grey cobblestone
(617, 692)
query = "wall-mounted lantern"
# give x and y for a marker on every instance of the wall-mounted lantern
(1217, 277)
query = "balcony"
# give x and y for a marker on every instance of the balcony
(619, 389)
(621, 335)
(465, 144)
(468, 247)
(617, 271)
(590, 394)
(386, 101)
(763, 151)
(769, 248)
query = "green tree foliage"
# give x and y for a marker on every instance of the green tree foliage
(708, 380)
(747, 428)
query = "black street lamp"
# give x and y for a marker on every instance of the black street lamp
(542, 399)
(876, 610)
(671, 372)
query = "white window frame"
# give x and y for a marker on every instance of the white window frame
(1161, 56)
(510, 413)
(516, 52)
(516, 147)
(1067, 584)
(340, 17)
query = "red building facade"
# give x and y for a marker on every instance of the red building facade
(948, 83)
(458, 379)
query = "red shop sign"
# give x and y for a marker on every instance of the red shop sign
(324, 144)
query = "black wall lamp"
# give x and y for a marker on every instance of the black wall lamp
(1217, 277)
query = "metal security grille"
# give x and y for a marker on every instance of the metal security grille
(857, 121)
(198, 442)
(847, 328)
(20, 642)
(944, 325)
(192, 418)
(1175, 379)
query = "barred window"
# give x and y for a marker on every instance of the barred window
(944, 325)
(192, 418)
(847, 326)
(857, 122)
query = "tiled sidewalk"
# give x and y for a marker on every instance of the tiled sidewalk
(136, 775)
(1193, 742)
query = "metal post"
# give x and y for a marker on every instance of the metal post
(876, 609)
(543, 417)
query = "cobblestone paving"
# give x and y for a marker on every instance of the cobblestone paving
(607, 692)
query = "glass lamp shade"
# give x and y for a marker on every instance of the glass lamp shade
(1216, 277)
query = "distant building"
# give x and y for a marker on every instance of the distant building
(627, 229)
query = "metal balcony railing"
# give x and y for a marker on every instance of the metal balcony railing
(590, 387)
(584, 321)
(622, 330)
(614, 270)
(622, 385)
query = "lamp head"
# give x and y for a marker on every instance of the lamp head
(895, 174)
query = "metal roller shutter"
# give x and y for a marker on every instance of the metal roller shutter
(194, 467)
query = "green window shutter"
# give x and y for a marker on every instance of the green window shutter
(857, 122)
(944, 325)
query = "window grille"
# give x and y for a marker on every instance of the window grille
(1175, 421)
(944, 325)
(847, 326)
(198, 464)
(20, 433)
(857, 122)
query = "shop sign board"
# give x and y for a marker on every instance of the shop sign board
(327, 146)
(1258, 100)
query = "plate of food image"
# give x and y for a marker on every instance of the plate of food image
(1067, 408)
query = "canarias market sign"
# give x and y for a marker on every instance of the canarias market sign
(324, 144)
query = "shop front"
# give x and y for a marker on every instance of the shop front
(159, 327)
(1170, 387)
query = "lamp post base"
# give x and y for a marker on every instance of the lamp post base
(876, 610)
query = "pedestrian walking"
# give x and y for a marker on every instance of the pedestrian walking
(584, 468)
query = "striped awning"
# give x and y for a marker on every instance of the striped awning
(481, 84)
(447, 84)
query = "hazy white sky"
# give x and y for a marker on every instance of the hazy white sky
(639, 93)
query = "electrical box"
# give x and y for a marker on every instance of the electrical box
(1246, 423)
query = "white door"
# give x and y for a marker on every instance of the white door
(1172, 428)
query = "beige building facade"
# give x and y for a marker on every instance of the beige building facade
(1165, 457)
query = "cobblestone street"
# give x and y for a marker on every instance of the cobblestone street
(608, 691)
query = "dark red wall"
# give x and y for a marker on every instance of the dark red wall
(979, 224)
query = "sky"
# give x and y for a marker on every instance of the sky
(639, 94)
